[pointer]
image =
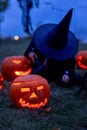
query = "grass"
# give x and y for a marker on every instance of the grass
(68, 112)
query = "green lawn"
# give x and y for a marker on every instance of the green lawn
(68, 112)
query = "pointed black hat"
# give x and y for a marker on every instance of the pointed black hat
(56, 41)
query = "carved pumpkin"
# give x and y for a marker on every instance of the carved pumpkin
(81, 59)
(14, 66)
(30, 91)
(1, 81)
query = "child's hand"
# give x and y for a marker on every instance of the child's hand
(65, 78)
(33, 56)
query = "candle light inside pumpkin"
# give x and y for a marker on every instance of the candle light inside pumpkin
(1, 81)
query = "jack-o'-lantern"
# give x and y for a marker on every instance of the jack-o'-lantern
(30, 91)
(81, 59)
(14, 66)
(1, 81)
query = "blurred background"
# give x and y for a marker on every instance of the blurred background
(13, 17)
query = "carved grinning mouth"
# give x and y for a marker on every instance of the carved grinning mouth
(81, 65)
(23, 73)
(23, 103)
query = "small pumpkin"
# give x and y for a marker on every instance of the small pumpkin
(81, 59)
(14, 66)
(30, 91)
(1, 81)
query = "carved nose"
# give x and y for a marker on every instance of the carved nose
(33, 95)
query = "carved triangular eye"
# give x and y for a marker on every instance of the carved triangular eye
(40, 87)
(16, 61)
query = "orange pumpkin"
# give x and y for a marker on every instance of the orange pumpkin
(14, 66)
(30, 91)
(81, 59)
(1, 81)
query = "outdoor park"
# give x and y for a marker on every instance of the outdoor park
(64, 111)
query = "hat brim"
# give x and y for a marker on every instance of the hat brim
(40, 40)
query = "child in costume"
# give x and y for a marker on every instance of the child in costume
(55, 46)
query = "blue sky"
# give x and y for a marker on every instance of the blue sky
(49, 11)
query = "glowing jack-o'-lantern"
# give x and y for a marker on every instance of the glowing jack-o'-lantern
(14, 66)
(30, 91)
(81, 59)
(1, 81)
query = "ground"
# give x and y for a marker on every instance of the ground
(64, 111)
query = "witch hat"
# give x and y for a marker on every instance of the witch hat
(56, 41)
